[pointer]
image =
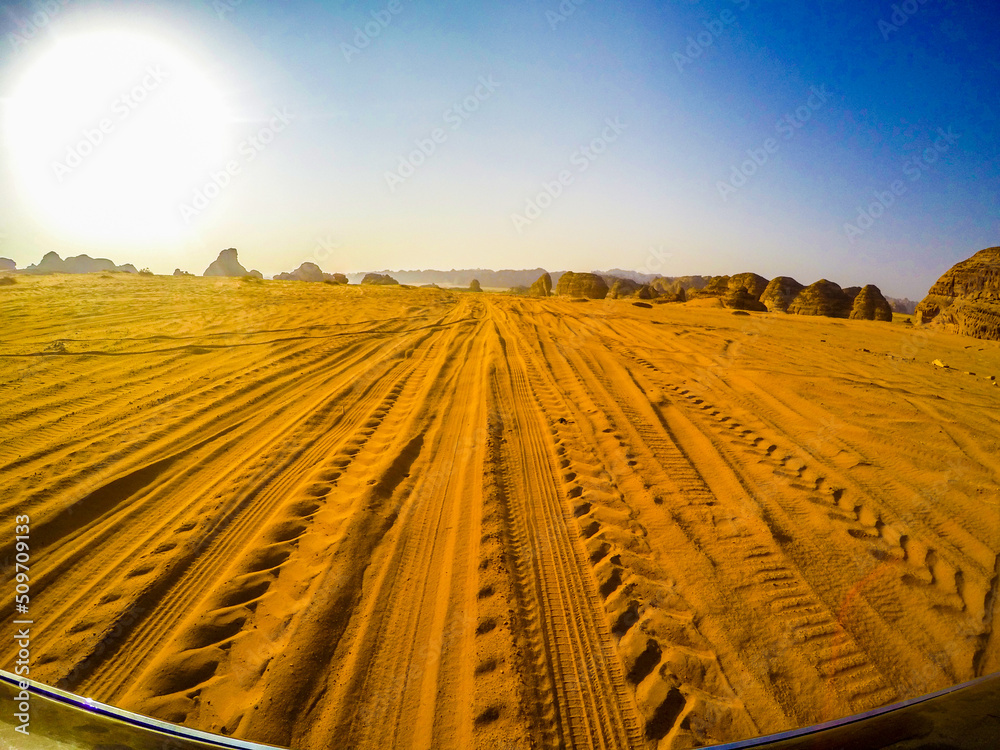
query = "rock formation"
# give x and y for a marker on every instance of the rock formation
(311, 272)
(179, 272)
(542, 286)
(255, 274)
(718, 286)
(227, 264)
(474, 286)
(966, 299)
(852, 292)
(622, 288)
(6, 264)
(586, 285)
(869, 304)
(379, 279)
(753, 283)
(822, 298)
(646, 291)
(52, 263)
(741, 299)
(780, 293)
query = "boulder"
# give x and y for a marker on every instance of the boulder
(6, 264)
(741, 299)
(336, 278)
(255, 274)
(852, 292)
(179, 272)
(542, 286)
(227, 264)
(582, 285)
(966, 299)
(474, 286)
(780, 293)
(869, 304)
(822, 298)
(379, 279)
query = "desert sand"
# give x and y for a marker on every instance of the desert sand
(373, 517)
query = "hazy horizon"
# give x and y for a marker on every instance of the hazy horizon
(700, 138)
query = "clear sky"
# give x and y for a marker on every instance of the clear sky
(853, 140)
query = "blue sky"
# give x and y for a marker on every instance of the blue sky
(855, 141)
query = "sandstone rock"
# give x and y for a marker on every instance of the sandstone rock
(6, 264)
(474, 286)
(585, 285)
(227, 264)
(542, 286)
(718, 286)
(255, 274)
(780, 293)
(966, 299)
(622, 288)
(754, 284)
(822, 298)
(379, 279)
(741, 299)
(52, 263)
(305, 272)
(869, 304)
(179, 272)
(852, 292)
(646, 291)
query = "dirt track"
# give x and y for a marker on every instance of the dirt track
(363, 517)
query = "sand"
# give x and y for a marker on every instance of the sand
(372, 517)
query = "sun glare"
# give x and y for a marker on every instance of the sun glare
(107, 132)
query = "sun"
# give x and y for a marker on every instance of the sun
(106, 133)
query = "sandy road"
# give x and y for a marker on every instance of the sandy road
(369, 517)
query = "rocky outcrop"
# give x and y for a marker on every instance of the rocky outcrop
(179, 272)
(586, 285)
(255, 274)
(718, 286)
(904, 306)
(751, 282)
(379, 279)
(966, 299)
(542, 286)
(622, 288)
(646, 291)
(741, 299)
(781, 291)
(869, 304)
(305, 272)
(52, 263)
(227, 264)
(6, 264)
(822, 298)
(311, 272)
(852, 292)
(474, 286)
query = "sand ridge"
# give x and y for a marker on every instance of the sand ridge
(307, 514)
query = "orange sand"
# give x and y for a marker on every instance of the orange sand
(374, 517)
